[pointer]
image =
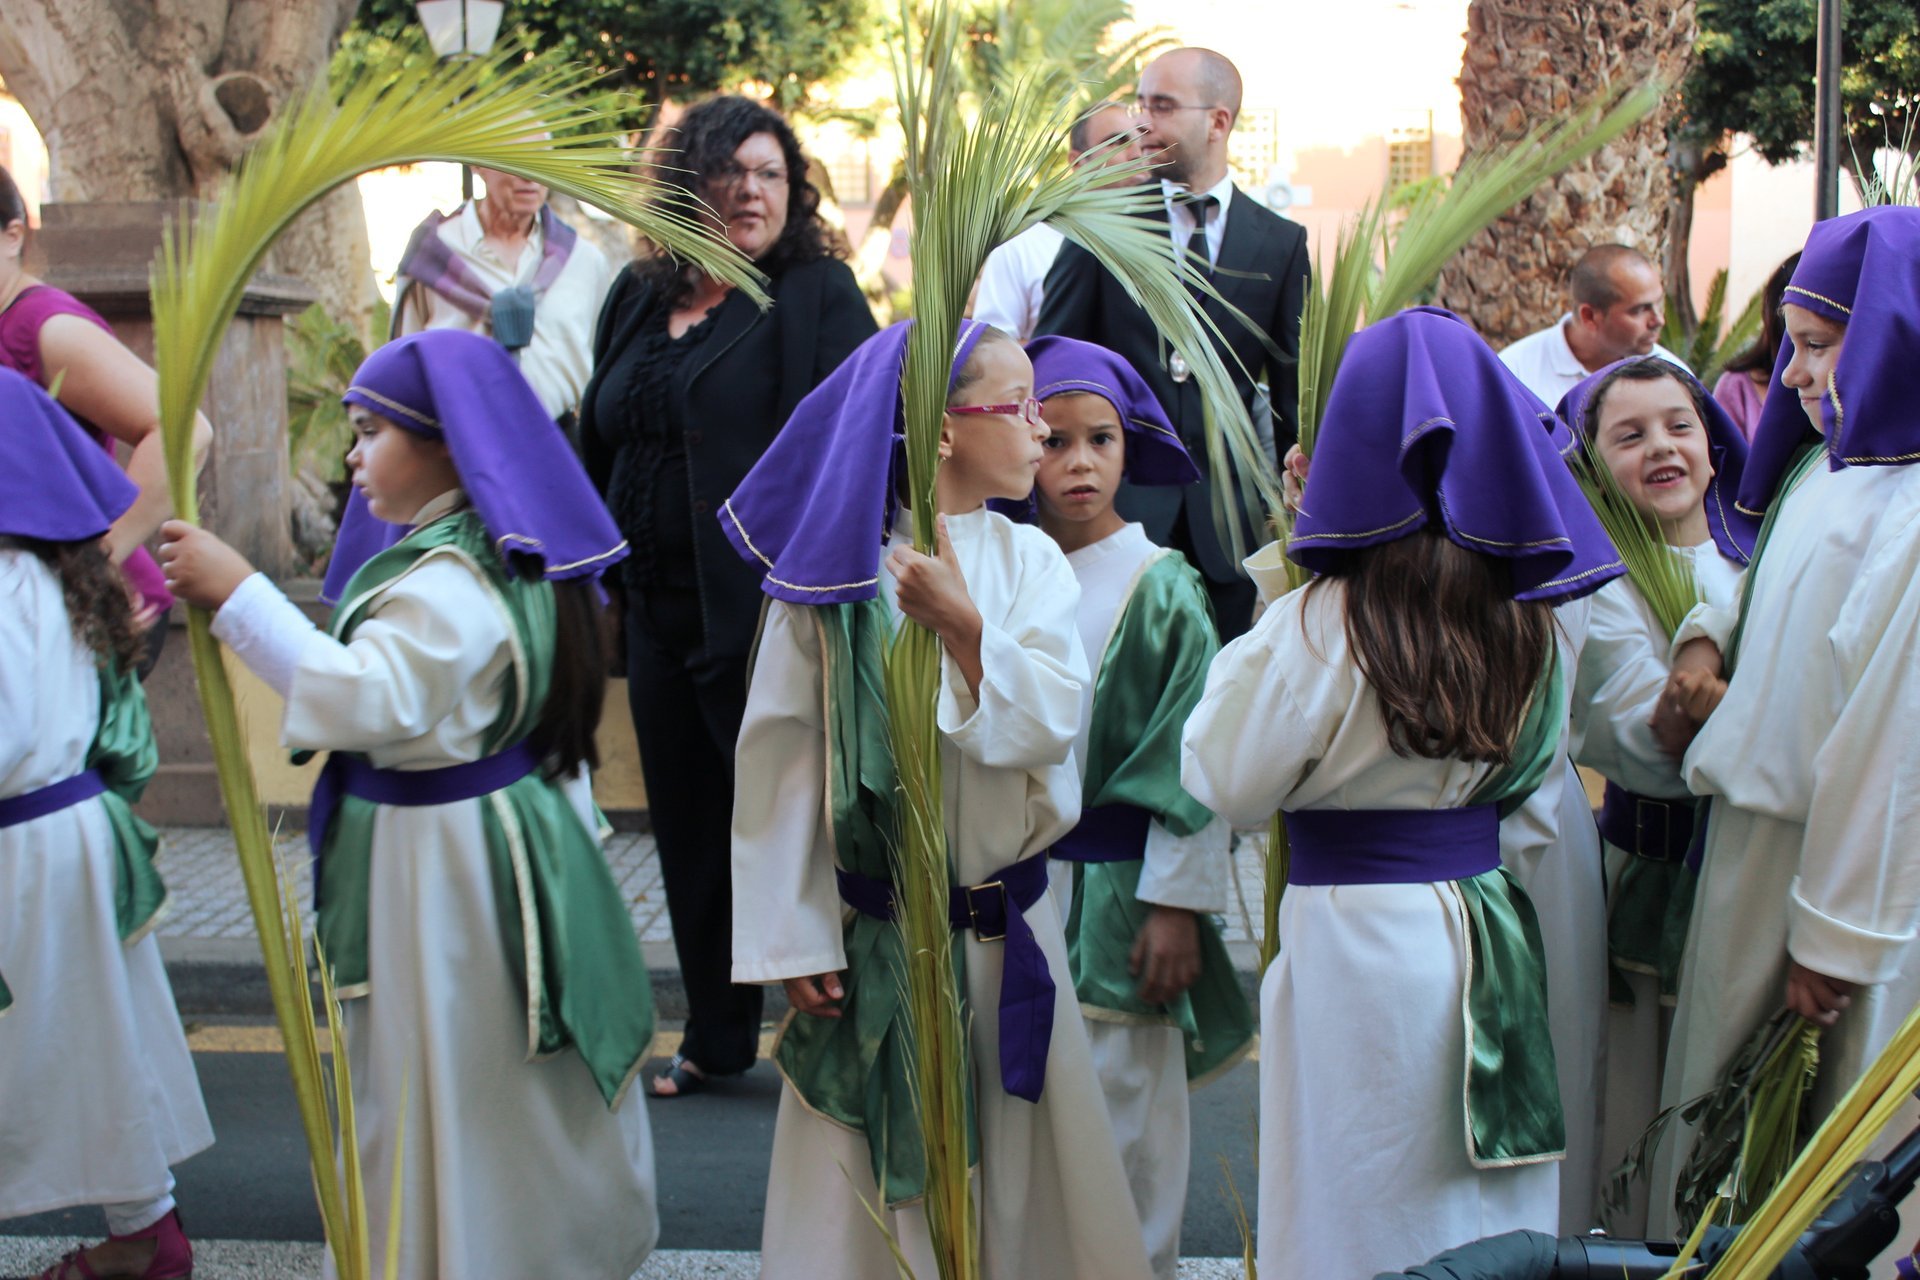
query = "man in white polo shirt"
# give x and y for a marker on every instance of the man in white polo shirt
(505, 266)
(1619, 306)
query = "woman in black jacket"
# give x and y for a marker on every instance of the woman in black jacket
(691, 382)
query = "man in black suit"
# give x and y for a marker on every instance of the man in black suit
(1187, 104)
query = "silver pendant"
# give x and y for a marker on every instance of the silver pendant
(1177, 366)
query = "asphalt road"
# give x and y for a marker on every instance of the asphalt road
(713, 1151)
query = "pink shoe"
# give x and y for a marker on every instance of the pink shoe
(172, 1255)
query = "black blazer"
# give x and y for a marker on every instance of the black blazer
(735, 393)
(1262, 270)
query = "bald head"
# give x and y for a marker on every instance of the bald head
(1217, 79)
(1598, 278)
(1188, 100)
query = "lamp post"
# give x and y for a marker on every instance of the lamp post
(461, 29)
(1826, 114)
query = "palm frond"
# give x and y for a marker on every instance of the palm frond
(1828, 1158)
(475, 113)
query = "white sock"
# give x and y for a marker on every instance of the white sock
(130, 1216)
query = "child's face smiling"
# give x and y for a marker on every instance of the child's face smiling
(991, 455)
(1651, 438)
(1085, 455)
(396, 471)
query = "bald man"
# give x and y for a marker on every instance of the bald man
(1014, 279)
(1619, 306)
(1187, 104)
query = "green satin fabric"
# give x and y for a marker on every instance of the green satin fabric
(584, 979)
(856, 1070)
(1514, 1113)
(125, 755)
(1641, 912)
(1151, 677)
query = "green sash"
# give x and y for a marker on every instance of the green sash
(1151, 677)
(579, 964)
(125, 755)
(1514, 1113)
(855, 1070)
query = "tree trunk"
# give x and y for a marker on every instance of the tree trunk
(146, 101)
(1526, 59)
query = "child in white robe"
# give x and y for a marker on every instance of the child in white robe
(1150, 864)
(1809, 891)
(1676, 457)
(1392, 1126)
(98, 1096)
(810, 894)
(496, 1006)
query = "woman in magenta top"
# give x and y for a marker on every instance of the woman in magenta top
(50, 335)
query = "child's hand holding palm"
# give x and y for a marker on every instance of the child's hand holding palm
(932, 591)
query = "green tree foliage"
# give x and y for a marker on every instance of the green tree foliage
(1753, 73)
(660, 49)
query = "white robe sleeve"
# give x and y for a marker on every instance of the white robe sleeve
(1709, 621)
(1621, 671)
(787, 914)
(1249, 741)
(1033, 676)
(410, 664)
(1856, 903)
(265, 630)
(1190, 872)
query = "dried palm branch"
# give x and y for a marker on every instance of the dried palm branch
(1828, 1159)
(976, 183)
(393, 115)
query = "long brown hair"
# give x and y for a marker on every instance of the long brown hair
(1452, 656)
(96, 597)
(577, 689)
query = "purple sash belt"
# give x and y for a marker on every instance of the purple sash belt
(992, 909)
(51, 798)
(350, 775)
(1105, 833)
(1391, 846)
(1658, 830)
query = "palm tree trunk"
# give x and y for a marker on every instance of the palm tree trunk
(1524, 59)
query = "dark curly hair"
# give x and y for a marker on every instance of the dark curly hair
(703, 142)
(96, 599)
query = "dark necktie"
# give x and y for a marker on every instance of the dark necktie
(1201, 207)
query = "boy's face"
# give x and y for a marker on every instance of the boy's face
(396, 471)
(992, 455)
(1086, 452)
(1650, 435)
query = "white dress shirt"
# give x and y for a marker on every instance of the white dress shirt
(1180, 215)
(1545, 362)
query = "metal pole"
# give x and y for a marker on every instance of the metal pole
(1827, 135)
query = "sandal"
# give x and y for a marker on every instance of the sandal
(172, 1254)
(686, 1078)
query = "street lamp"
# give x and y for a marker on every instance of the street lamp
(461, 29)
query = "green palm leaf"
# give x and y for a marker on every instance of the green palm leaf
(475, 113)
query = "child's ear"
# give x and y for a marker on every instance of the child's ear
(946, 438)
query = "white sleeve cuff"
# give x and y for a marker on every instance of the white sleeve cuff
(265, 630)
(1836, 949)
(1190, 872)
(1705, 621)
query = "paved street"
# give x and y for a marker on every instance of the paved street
(248, 1200)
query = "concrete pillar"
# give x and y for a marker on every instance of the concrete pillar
(102, 253)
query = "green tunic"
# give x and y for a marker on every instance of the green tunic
(1150, 678)
(855, 1070)
(567, 935)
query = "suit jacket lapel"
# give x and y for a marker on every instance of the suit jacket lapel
(1240, 269)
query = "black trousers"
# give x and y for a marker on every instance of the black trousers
(687, 706)
(1232, 600)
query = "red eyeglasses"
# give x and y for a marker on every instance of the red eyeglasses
(1027, 410)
